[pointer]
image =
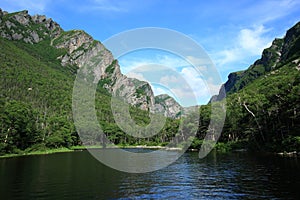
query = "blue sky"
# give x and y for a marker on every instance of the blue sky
(233, 33)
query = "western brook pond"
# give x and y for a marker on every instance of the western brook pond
(78, 175)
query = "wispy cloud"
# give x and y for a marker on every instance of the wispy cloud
(129, 63)
(106, 6)
(270, 10)
(249, 42)
(34, 6)
(136, 75)
(253, 40)
(112, 6)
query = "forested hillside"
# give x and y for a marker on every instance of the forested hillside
(263, 102)
(36, 86)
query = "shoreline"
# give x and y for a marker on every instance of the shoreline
(81, 148)
(38, 152)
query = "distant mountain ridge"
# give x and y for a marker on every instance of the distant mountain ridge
(78, 48)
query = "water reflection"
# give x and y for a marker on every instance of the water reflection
(78, 175)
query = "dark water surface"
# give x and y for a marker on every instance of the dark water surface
(77, 175)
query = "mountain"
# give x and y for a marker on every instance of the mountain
(78, 48)
(263, 101)
(39, 63)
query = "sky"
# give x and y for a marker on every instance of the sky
(232, 33)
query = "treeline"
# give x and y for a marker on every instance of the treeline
(35, 96)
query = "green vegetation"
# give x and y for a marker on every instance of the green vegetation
(267, 111)
(110, 69)
(161, 98)
(263, 104)
(64, 36)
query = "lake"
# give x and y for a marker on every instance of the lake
(78, 175)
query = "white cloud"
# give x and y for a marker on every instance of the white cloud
(198, 61)
(128, 63)
(249, 42)
(270, 10)
(189, 87)
(159, 90)
(138, 76)
(195, 81)
(252, 40)
(226, 56)
(166, 80)
(106, 6)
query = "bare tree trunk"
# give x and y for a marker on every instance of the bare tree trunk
(6, 136)
(259, 127)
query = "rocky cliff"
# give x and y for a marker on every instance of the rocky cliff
(30, 29)
(79, 48)
(167, 106)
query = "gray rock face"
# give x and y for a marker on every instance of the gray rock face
(2, 13)
(72, 40)
(12, 27)
(9, 24)
(17, 36)
(271, 56)
(168, 106)
(291, 42)
(39, 19)
(22, 17)
(137, 93)
(35, 37)
(78, 45)
(82, 48)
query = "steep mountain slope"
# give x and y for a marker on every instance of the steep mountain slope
(77, 48)
(263, 102)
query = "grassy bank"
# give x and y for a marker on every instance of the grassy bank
(75, 148)
(220, 147)
(37, 152)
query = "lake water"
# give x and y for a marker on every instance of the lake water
(77, 175)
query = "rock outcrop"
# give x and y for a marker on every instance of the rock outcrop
(30, 29)
(166, 105)
(81, 48)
